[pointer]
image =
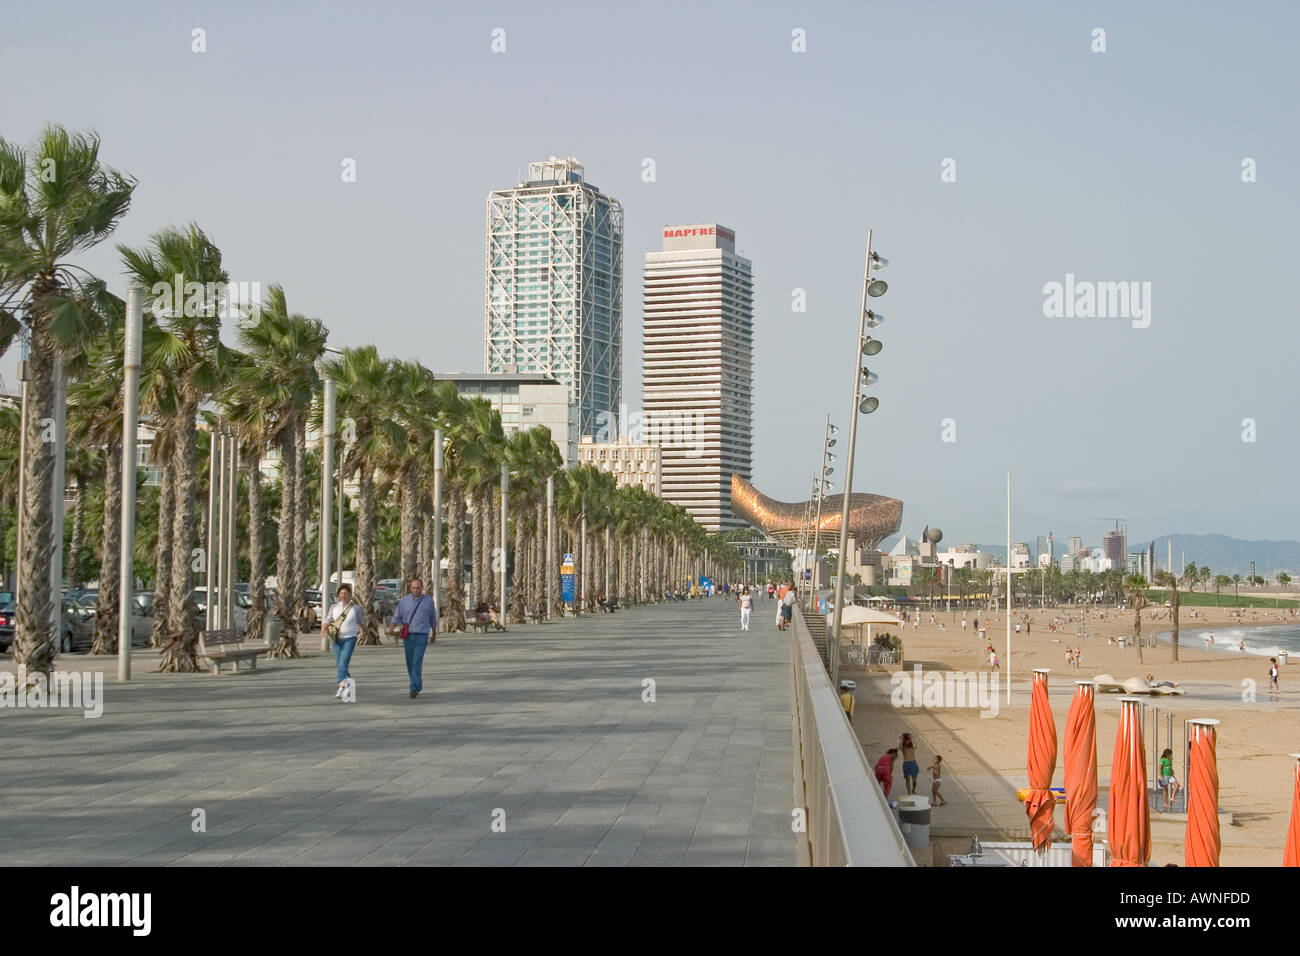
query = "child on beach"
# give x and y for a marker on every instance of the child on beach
(1168, 782)
(885, 770)
(1272, 679)
(911, 769)
(936, 773)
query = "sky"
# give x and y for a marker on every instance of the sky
(1115, 165)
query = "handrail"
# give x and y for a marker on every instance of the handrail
(848, 821)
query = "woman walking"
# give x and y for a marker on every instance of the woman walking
(746, 608)
(344, 620)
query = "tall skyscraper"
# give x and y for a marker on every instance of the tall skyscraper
(1115, 547)
(554, 286)
(698, 368)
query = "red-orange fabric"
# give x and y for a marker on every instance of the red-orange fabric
(1081, 773)
(1202, 841)
(1040, 802)
(1128, 816)
(1291, 855)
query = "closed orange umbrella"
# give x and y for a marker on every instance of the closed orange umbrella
(1202, 841)
(1081, 771)
(1291, 855)
(1128, 817)
(1040, 802)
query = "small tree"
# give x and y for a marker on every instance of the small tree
(1135, 587)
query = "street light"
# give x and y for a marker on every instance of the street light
(873, 288)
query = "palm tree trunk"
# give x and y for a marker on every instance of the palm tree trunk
(476, 548)
(538, 588)
(454, 612)
(179, 654)
(301, 493)
(519, 593)
(256, 573)
(284, 535)
(77, 542)
(366, 557)
(162, 579)
(293, 545)
(410, 517)
(34, 646)
(110, 557)
(1173, 635)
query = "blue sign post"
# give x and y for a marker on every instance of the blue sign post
(567, 594)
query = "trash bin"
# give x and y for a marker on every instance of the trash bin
(1281, 658)
(272, 630)
(914, 820)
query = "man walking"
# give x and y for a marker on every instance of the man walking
(415, 620)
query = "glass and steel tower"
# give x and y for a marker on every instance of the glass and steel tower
(698, 368)
(554, 289)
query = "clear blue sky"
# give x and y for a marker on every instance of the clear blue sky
(1123, 165)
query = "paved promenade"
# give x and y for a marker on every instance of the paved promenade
(542, 728)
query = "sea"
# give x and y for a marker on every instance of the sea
(1259, 641)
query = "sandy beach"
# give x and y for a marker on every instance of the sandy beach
(984, 757)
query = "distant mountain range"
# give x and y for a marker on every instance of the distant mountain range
(1223, 555)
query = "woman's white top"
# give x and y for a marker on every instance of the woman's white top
(351, 623)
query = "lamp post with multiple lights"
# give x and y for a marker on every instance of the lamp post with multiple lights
(822, 486)
(863, 378)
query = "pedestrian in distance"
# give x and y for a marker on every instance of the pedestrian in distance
(1273, 692)
(341, 626)
(885, 770)
(415, 622)
(746, 608)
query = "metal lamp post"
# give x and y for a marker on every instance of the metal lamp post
(861, 377)
(827, 459)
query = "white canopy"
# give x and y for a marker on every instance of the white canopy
(853, 614)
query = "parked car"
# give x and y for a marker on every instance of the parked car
(140, 625)
(389, 584)
(242, 604)
(78, 629)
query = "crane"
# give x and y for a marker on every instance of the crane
(1116, 520)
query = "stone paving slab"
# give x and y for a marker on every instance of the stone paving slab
(544, 722)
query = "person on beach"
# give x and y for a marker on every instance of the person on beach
(346, 615)
(1168, 782)
(963, 625)
(746, 608)
(936, 781)
(1273, 693)
(885, 770)
(996, 663)
(415, 621)
(911, 769)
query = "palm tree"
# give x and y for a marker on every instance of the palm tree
(56, 199)
(364, 396)
(1191, 576)
(1166, 579)
(1221, 581)
(192, 352)
(416, 397)
(1135, 590)
(282, 349)
(481, 456)
(1236, 584)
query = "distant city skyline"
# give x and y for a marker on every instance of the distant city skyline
(997, 153)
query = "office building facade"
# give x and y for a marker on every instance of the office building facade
(525, 401)
(698, 368)
(554, 286)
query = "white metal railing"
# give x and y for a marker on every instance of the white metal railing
(849, 823)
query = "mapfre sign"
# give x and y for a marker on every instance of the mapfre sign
(686, 232)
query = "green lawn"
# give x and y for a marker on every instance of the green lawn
(1225, 599)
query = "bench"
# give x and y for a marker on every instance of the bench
(535, 614)
(607, 607)
(224, 647)
(480, 627)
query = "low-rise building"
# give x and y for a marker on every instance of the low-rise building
(631, 463)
